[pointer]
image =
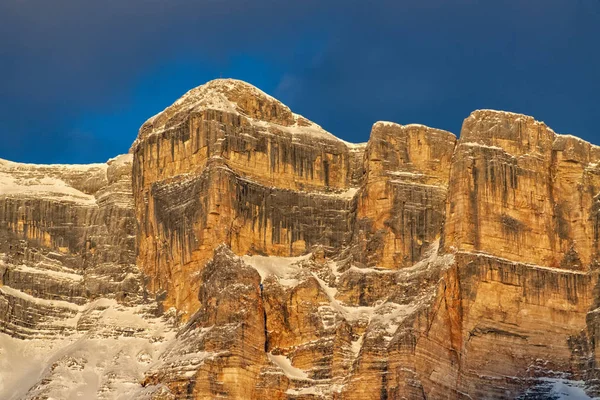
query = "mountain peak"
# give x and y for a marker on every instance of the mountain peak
(228, 95)
(234, 97)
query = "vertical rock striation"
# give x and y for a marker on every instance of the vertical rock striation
(229, 164)
(67, 236)
(73, 318)
(522, 192)
(427, 253)
(520, 218)
(401, 206)
(243, 252)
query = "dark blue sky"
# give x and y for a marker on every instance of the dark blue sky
(78, 78)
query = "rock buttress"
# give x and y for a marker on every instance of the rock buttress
(220, 351)
(207, 171)
(521, 221)
(401, 205)
(67, 236)
(521, 192)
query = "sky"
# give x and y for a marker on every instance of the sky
(78, 78)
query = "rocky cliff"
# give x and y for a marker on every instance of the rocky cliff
(243, 252)
(73, 319)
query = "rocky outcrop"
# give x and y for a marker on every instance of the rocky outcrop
(221, 349)
(500, 327)
(73, 319)
(67, 236)
(244, 252)
(520, 218)
(401, 204)
(229, 164)
(520, 191)
(379, 309)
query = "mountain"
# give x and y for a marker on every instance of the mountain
(241, 251)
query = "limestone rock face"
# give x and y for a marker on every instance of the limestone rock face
(522, 192)
(243, 252)
(425, 253)
(229, 164)
(67, 234)
(401, 206)
(73, 319)
(221, 349)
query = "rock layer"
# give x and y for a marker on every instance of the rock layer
(259, 256)
(73, 319)
(229, 164)
(521, 192)
(67, 236)
(512, 202)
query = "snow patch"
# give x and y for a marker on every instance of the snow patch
(47, 303)
(42, 187)
(48, 272)
(306, 391)
(120, 160)
(356, 345)
(560, 389)
(284, 268)
(68, 167)
(533, 266)
(88, 365)
(347, 194)
(475, 144)
(286, 365)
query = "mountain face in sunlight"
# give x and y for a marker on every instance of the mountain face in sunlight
(242, 251)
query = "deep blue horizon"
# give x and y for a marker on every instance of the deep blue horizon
(79, 79)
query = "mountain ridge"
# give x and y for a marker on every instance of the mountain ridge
(262, 257)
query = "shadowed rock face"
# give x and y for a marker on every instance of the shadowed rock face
(286, 263)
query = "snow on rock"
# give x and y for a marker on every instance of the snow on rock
(120, 160)
(58, 182)
(228, 95)
(528, 265)
(47, 303)
(47, 272)
(7, 165)
(409, 126)
(100, 363)
(346, 194)
(306, 391)
(475, 144)
(308, 128)
(386, 123)
(43, 187)
(557, 389)
(284, 268)
(286, 365)
(356, 345)
(22, 362)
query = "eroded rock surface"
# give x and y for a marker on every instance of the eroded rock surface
(229, 164)
(73, 319)
(243, 252)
